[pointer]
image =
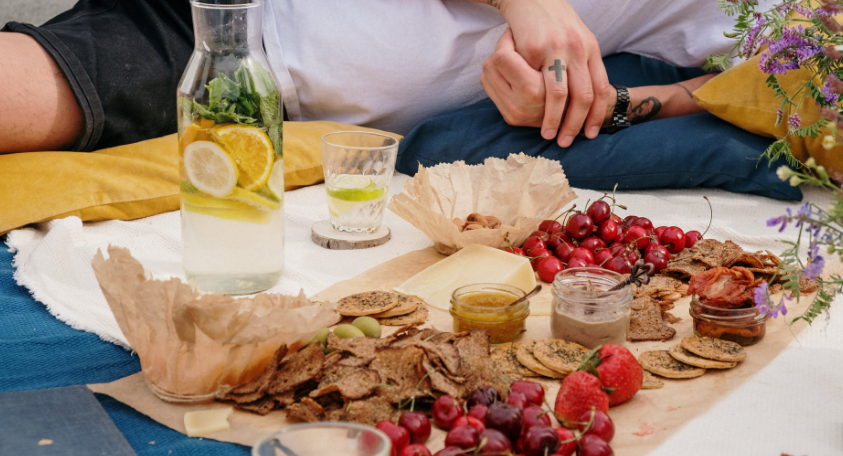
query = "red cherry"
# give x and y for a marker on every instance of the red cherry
(563, 252)
(643, 222)
(657, 247)
(543, 235)
(550, 226)
(418, 425)
(567, 440)
(636, 236)
(533, 243)
(450, 451)
(691, 238)
(618, 264)
(593, 243)
(579, 226)
(553, 242)
(599, 211)
(496, 443)
(659, 231)
(581, 253)
(632, 255)
(674, 239)
(601, 425)
(463, 436)
(533, 391)
(616, 219)
(577, 263)
(548, 268)
(535, 416)
(515, 250)
(505, 418)
(479, 412)
(602, 257)
(415, 449)
(445, 411)
(540, 440)
(591, 445)
(471, 421)
(538, 255)
(517, 399)
(485, 395)
(617, 248)
(398, 435)
(627, 221)
(657, 258)
(608, 231)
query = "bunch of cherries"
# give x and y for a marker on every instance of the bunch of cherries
(487, 426)
(599, 238)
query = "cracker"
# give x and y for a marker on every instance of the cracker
(297, 369)
(651, 382)
(505, 360)
(417, 316)
(370, 411)
(303, 412)
(350, 382)
(525, 355)
(716, 349)
(659, 286)
(400, 372)
(660, 362)
(646, 321)
(476, 364)
(367, 303)
(807, 285)
(714, 253)
(560, 355)
(261, 407)
(684, 268)
(680, 354)
(406, 304)
(438, 381)
(362, 347)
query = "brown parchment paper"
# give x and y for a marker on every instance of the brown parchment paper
(641, 424)
(521, 191)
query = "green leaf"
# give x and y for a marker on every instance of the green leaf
(274, 133)
(811, 131)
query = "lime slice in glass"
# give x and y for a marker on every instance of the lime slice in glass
(355, 188)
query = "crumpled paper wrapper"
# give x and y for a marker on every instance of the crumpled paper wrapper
(521, 191)
(195, 346)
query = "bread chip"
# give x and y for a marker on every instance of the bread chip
(560, 355)
(370, 411)
(406, 304)
(807, 285)
(716, 349)
(445, 356)
(261, 407)
(684, 268)
(412, 338)
(297, 369)
(660, 362)
(525, 355)
(684, 356)
(350, 382)
(651, 382)
(714, 253)
(400, 372)
(476, 364)
(658, 287)
(646, 321)
(442, 383)
(363, 347)
(505, 360)
(367, 303)
(303, 412)
(417, 316)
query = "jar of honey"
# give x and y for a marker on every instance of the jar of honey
(489, 306)
(745, 326)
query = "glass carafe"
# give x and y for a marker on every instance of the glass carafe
(231, 164)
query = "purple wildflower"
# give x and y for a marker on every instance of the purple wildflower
(781, 220)
(794, 122)
(779, 115)
(789, 52)
(832, 89)
(752, 41)
(762, 301)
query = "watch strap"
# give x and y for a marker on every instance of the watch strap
(619, 119)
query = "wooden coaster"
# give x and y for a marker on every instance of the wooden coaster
(324, 235)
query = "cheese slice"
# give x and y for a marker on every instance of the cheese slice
(203, 422)
(473, 264)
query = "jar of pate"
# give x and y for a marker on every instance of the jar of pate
(492, 308)
(744, 326)
(585, 311)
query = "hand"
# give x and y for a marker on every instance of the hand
(516, 89)
(551, 38)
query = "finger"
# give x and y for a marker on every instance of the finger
(506, 42)
(556, 96)
(602, 95)
(582, 96)
(514, 69)
(494, 95)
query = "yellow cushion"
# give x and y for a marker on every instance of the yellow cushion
(129, 182)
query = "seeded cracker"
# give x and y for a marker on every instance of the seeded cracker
(406, 304)
(526, 356)
(716, 349)
(368, 303)
(651, 382)
(684, 356)
(417, 316)
(560, 355)
(660, 362)
(297, 369)
(505, 360)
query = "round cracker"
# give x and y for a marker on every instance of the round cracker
(367, 303)
(406, 304)
(504, 358)
(560, 355)
(651, 382)
(682, 355)
(525, 355)
(716, 349)
(415, 317)
(661, 363)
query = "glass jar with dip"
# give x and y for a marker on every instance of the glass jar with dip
(488, 306)
(744, 326)
(585, 311)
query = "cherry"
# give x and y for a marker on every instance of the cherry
(592, 243)
(601, 425)
(543, 235)
(485, 395)
(553, 242)
(602, 256)
(632, 255)
(471, 421)
(627, 221)
(515, 250)
(533, 243)
(579, 226)
(599, 211)
(563, 252)
(616, 219)
(450, 451)
(537, 256)
(534, 416)
(398, 435)
(517, 400)
(415, 449)
(577, 263)
(445, 411)
(495, 443)
(636, 236)
(643, 222)
(674, 239)
(550, 226)
(583, 254)
(608, 231)
(658, 247)
(505, 418)
(659, 231)
(617, 248)
(568, 442)
(479, 412)
(540, 440)
(418, 425)
(533, 391)
(691, 238)
(591, 445)
(619, 264)
(549, 267)
(657, 258)
(463, 437)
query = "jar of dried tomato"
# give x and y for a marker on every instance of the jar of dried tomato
(745, 326)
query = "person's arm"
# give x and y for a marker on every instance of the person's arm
(659, 102)
(37, 108)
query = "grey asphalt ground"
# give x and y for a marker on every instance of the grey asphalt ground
(32, 11)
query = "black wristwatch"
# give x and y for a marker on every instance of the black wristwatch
(619, 119)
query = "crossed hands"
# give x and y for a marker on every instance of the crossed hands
(548, 73)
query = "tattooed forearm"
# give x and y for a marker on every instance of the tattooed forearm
(558, 68)
(645, 110)
(690, 95)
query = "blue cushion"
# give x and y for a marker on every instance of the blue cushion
(697, 150)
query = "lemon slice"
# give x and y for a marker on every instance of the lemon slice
(276, 179)
(251, 150)
(209, 168)
(194, 132)
(355, 188)
(247, 214)
(253, 199)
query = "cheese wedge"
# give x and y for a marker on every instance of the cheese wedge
(473, 264)
(204, 422)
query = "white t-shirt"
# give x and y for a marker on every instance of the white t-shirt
(391, 64)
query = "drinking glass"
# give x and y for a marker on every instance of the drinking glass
(322, 439)
(358, 167)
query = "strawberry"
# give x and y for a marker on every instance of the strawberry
(617, 369)
(579, 392)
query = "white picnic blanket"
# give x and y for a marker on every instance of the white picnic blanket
(792, 406)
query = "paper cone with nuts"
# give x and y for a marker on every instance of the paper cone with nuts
(518, 192)
(193, 346)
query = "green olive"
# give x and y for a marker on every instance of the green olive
(347, 331)
(321, 337)
(369, 326)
